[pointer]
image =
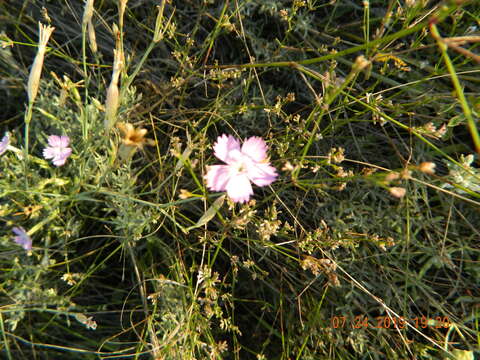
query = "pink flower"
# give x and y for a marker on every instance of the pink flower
(4, 143)
(244, 165)
(22, 238)
(58, 150)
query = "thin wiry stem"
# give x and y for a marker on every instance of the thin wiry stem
(34, 81)
(472, 127)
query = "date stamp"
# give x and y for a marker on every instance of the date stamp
(387, 322)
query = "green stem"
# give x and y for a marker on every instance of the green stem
(371, 44)
(414, 132)
(131, 77)
(458, 88)
(328, 100)
(366, 24)
(157, 36)
(5, 341)
(28, 118)
(84, 60)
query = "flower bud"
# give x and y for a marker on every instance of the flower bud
(427, 167)
(88, 11)
(398, 192)
(34, 78)
(360, 63)
(87, 21)
(112, 101)
(158, 34)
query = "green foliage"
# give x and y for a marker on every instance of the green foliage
(372, 221)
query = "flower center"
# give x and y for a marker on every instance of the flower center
(240, 167)
(238, 163)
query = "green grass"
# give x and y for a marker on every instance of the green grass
(133, 256)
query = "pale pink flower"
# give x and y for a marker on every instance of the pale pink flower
(4, 143)
(245, 164)
(22, 238)
(58, 149)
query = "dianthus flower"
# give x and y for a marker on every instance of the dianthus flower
(245, 164)
(4, 143)
(134, 137)
(22, 238)
(58, 149)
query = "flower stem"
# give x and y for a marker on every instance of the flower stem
(458, 88)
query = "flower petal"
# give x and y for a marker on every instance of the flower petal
(261, 174)
(64, 141)
(18, 230)
(22, 238)
(239, 188)
(224, 145)
(66, 152)
(58, 150)
(141, 132)
(62, 157)
(217, 177)
(256, 148)
(54, 141)
(50, 152)
(59, 161)
(4, 143)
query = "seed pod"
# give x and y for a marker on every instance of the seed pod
(112, 101)
(34, 78)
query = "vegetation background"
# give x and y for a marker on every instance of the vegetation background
(366, 247)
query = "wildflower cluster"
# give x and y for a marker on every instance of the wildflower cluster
(199, 266)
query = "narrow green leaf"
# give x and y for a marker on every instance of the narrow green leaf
(209, 214)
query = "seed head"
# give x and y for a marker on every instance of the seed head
(34, 78)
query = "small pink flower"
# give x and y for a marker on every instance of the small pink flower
(244, 165)
(58, 149)
(4, 143)
(22, 238)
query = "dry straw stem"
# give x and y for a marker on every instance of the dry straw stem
(455, 42)
(87, 21)
(34, 78)
(122, 4)
(118, 43)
